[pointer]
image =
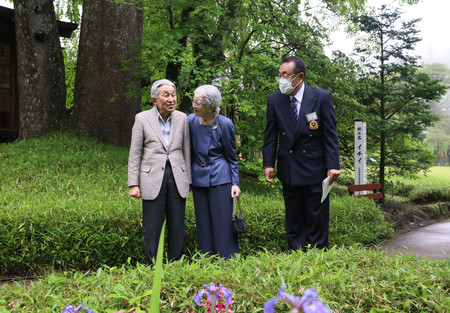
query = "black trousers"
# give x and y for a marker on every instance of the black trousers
(170, 204)
(213, 215)
(307, 220)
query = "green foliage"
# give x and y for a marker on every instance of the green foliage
(347, 280)
(437, 71)
(406, 156)
(238, 46)
(65, 205)
(70, 9)
(156, 285)
(341, 77)
(64, 202)
(399, 188)
(349, 214)
(431, 193)
(431, 187)
(398, 96)
(70, 64)
(438, 140)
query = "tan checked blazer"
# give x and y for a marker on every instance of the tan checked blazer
(148, 154)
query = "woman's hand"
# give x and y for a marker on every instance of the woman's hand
(235, 191)
(135, 192)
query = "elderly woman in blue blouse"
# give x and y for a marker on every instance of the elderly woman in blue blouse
(215, 174)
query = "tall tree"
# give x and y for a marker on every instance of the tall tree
(437, 71)
(40, 68)
(238, 46)
(106, 97)
(400, 96)
(438, 136)
(438, 139)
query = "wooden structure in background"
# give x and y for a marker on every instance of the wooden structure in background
(374, 187)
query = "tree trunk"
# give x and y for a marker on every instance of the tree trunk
(40, 68)
(382, 117)
(106, 97)
(382, 159)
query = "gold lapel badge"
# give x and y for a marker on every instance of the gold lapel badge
(313, 125)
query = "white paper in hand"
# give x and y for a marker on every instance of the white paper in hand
(326, 187)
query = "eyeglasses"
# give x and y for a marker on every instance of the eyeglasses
(286, 76)
(197, 103)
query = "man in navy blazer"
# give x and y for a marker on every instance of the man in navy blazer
(301, 134)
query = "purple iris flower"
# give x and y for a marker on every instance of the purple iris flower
(212, 292)
(71, 309)
(307, 304)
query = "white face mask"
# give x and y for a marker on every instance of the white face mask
(285, 85)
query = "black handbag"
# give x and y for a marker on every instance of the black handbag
(239, 226)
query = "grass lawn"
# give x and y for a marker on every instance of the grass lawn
(436, 175)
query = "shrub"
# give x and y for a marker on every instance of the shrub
(429, 193)
(65, 205)
(357, 220)
(399, 188)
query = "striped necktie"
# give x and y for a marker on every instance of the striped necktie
(294, 108)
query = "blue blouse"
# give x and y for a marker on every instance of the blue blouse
(213, 149)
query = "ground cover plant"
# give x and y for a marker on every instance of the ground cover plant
(351, 279)
(65, 205)
(433, 186)
(65, 215)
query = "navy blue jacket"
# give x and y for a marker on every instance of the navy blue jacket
(303, 155)
(213, 149)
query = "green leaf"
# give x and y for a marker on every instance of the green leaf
(156, 295)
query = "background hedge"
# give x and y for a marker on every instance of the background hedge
(65, 205)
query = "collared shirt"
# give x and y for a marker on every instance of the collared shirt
(299, 97)
(165, 127)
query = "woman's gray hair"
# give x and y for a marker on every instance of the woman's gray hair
(157, 84)
(212, 96)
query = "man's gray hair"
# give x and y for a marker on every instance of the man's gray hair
(160, 82)
(212, 96)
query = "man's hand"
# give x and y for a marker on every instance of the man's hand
(135, 192)
(268, 173)
(334, 174)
